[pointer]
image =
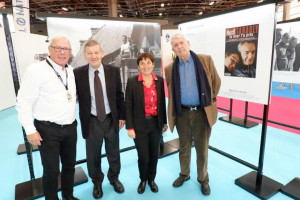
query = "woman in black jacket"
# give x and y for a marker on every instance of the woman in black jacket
(146, 118)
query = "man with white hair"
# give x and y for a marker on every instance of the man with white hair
(246, 68)
(48, 94)
(193, 85)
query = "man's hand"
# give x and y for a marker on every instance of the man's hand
(35, 139)
(121, 124)
(131, 133)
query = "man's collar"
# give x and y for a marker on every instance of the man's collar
(100, 69)
(189, 60)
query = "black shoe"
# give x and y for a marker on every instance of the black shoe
(205, 189)
(70, 198)
(118, 186)
(153, 186)
(141, 188)
(97, 191)
(179, 181)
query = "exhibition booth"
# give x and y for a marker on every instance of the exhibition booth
(218, 35)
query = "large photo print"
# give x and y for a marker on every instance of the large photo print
(287, 54)
(121, 41)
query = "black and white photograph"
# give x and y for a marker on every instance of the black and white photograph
(287, 48)
(121, 42)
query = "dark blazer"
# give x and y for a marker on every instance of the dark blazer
(114, 94)
(135, 104)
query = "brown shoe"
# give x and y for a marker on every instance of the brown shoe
(205, 189)
(179, 181)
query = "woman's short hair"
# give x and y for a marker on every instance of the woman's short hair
(144, 56)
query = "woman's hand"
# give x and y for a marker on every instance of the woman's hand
(165, 128)
(131, 133)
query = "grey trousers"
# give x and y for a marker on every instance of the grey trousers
(193, 125)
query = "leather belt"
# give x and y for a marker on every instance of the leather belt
(190, 108)
(107, 115)
(151, 117)
(54, 124)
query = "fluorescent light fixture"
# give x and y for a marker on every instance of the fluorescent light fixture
(162, 5)
(120, 15)
(211, 3)
(260, 1)
(65, 9)
(200, 13)
(160, 14)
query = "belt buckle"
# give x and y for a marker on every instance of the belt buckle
(193, 108)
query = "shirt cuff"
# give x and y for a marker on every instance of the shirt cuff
(30, 129)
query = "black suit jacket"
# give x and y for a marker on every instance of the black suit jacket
(114, 94)
(135, 104)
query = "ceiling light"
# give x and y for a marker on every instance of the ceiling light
(160, 14)
(65, 9)
(200, 13)
(260, 1)
(211, 3)
(120, 15)
(162, 5)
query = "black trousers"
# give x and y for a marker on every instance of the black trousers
(100, 131)
(58, 143)
(147, 143)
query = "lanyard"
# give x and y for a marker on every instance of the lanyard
(57, 74)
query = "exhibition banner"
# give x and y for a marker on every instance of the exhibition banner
(287, 53)
(21, 15)
(241, 47)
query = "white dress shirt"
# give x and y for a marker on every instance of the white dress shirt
(92, 89)
(43, 96)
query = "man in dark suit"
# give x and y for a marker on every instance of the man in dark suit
(101, 112)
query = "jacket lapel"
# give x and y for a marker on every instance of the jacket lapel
(140, 88)
(108, 80)
(157, 92)
(85, 80)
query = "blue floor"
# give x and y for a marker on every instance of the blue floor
(281, 163)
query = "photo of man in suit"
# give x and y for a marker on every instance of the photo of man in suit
(101, 112)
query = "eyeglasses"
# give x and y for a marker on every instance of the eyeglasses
(59, 49)
(233, 59)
